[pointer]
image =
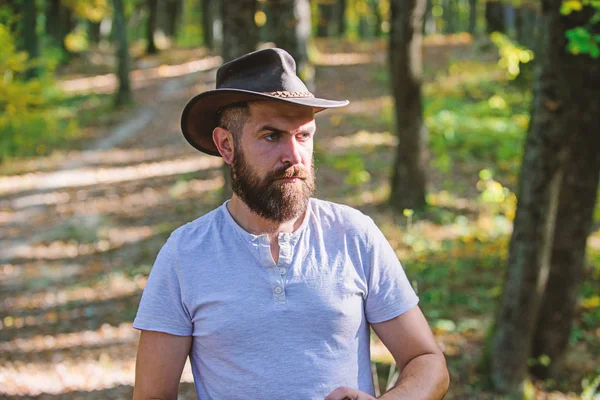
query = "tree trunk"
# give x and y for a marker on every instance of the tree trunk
(526, 22)
(341, 18)
(291, 31)
(52, 25)
(124, 92)
(429, 25)
(151, 26)
(564, 99)
(408, 180)
(510, 20)
(173, 17)
(240, 36)
(94, 32)
(364, 31)
(212, 24)
(67, 23)
(59, 23)
(573, 225)
(575, 211)
(450, 16)
(472, 16)
(494, 16)
(29, 35)
(326, 13)
(207, 24)
(374, 5)
(240, 33)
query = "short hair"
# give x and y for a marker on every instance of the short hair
(233, 118)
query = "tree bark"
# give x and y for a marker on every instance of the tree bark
(573, 225)
(341, 18)
(240, 33)
(494, 16)
(207, 24)
(173, 17)
(510, 19)
(558, 104)
(450, 16)
(52, 25)
(472, 16)
(59, 23)
(575, 211)
(240, 36)
(291, 31)
(364, 31)
(124, 95)
(408, 177)
(67, 23)
(429, 25)
(29, 36)
(326, 14)
(374, 5)
(93, 32)
(151, 26)
(526, 22)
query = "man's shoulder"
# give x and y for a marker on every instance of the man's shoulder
(199, 229)
(340, 216)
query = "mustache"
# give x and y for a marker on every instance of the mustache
(295, 171)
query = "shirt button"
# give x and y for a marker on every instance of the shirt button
(282, 271)
(278, 290)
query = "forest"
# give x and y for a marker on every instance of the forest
(472, 139)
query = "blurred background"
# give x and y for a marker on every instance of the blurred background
(472, 139)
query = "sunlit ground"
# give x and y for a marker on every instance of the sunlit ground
(140, 78)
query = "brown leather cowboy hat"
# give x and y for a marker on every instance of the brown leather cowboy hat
(268, 74)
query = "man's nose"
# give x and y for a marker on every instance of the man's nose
(292, 151)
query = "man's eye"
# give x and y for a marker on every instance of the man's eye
(271, 137)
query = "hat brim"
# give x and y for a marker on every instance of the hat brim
(199, 117)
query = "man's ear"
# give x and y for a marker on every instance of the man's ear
(224, 141)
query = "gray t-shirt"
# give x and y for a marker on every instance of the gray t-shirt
(297, 329)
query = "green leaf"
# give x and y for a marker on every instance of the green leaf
(567, 7)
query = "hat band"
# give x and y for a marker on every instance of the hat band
(290, 94)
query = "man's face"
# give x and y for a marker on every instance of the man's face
(272, 170)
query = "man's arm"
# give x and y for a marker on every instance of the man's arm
(424, 374)
(423, 367)
(160, 361)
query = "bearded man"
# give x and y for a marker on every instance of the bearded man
(272, 294)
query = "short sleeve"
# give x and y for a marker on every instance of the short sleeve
(389, 291)
(161, 307)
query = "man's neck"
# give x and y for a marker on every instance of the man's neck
(257, 225)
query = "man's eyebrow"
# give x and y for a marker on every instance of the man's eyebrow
(277, 130)
(270, 128)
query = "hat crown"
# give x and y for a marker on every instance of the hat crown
(267, 70)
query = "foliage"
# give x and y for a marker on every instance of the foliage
(352, 165)
(481, 120)
(27, 124)
(511, 54)
(589, 388)
(190, 33)
(583, 39)
(93, 10)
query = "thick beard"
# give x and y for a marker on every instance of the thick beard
(271, 199)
